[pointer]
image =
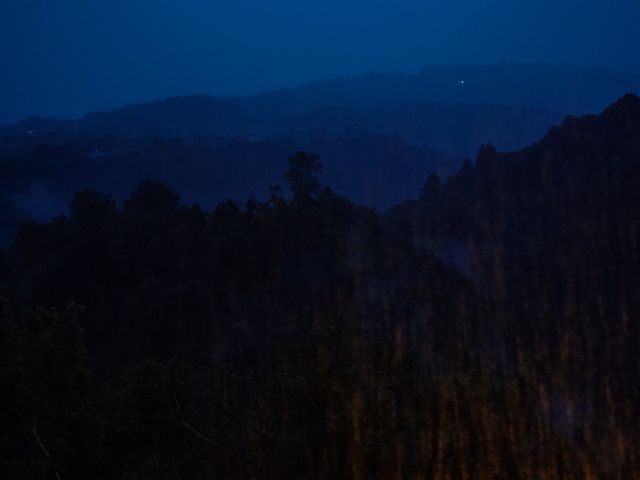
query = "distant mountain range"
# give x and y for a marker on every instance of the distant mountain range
(452, 109)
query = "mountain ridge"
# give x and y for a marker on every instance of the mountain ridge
(532, 96)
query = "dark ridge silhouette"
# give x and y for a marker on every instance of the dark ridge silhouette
(448, 108)
(556, 88)
(455, 128)
(195, 115)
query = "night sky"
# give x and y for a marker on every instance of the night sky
(67, 57)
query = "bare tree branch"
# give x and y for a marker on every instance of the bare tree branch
(45, 451)
(187, 426)
(236, 375)
(196, 432)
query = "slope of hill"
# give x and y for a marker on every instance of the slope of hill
(454, 128)
(587, 166)
(556, 88)
(550, 235)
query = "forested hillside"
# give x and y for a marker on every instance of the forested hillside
(487, 330)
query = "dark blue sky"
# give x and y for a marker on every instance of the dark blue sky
(66, 57)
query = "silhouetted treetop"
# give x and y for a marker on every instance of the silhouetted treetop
(486, 153)
(302, 175)
(151, 197)
(432, 189)
(90, 207)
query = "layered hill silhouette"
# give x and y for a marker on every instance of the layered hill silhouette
(451, 109)
(379, 133)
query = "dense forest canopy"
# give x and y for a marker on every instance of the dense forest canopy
(485, 330)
